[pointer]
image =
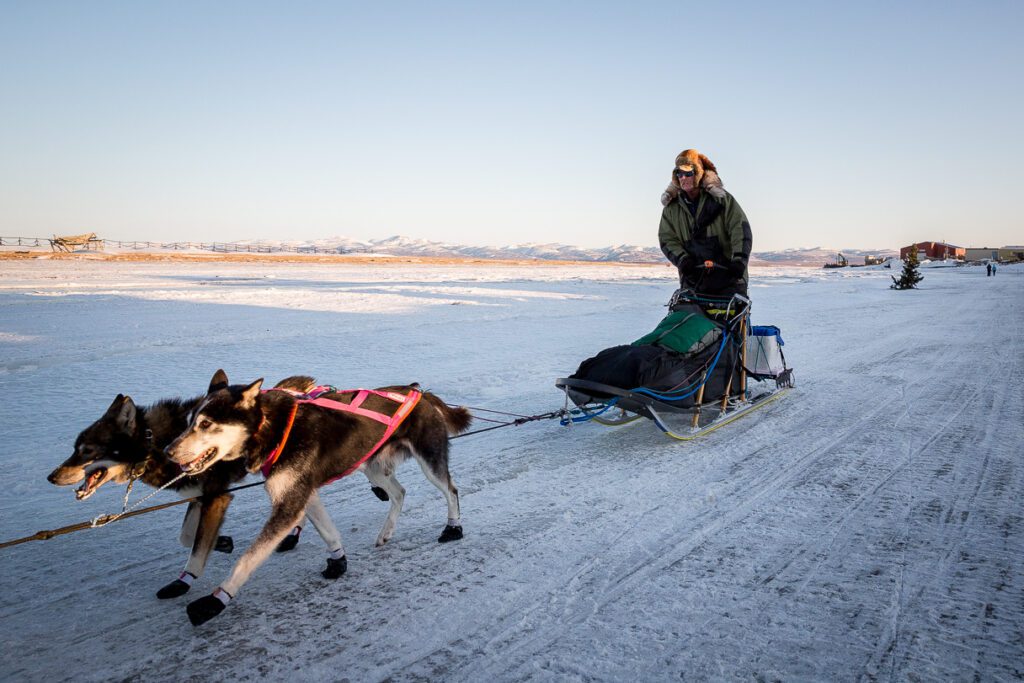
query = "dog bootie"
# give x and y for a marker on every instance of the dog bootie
(225, 544)
(335, 567)
(207, 607)
(290, 541)
(175, 589)
(452, 532)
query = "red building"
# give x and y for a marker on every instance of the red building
(934, 251)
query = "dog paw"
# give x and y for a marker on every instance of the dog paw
(335, 567)
(289, 543)
(450, 533)
(175, 589)
(224, 544)
(205, 608)
(380, 493)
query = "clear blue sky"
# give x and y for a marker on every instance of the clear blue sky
(861, 124)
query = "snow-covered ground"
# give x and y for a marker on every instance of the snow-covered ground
(869, 525)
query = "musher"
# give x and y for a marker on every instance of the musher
(703, 231)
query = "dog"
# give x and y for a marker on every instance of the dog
(314, 445)
(127, 443)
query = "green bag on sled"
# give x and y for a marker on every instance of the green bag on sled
(684, 332)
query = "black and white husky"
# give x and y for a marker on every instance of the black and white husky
(128, 443)
(315, 445)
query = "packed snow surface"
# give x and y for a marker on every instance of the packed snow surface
(868, 525)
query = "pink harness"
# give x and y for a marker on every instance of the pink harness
(390, 422)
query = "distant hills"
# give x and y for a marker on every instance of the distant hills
(623, 253)
(408, 246)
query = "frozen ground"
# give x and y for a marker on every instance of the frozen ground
(868, 526)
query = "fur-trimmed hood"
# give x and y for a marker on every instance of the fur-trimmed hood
(706, 173)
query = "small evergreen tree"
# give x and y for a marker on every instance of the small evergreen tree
(909, 277)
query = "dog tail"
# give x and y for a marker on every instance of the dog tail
(456, 418)
(300, 383)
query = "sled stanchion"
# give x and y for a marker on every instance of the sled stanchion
(743, 356)
(700, 400)
(732, 371)
(725, 396)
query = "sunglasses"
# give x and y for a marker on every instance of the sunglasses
(684, 174)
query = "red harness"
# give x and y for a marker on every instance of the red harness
(390, 422)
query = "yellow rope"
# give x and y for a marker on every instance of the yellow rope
(47, 534)
(103, 520)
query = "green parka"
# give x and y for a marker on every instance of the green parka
(719, 232)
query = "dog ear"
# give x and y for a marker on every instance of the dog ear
(126, 415)
(219, 381)
(115, 407)
(250, 394)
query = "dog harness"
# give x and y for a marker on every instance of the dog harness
(405, 403)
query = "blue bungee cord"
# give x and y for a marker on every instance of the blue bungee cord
(670, 395)
(589, 416)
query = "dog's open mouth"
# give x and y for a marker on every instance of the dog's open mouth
(93, 481)
(201, 462)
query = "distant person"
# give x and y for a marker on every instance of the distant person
(988, 269)
(994, 267)
(703, 230)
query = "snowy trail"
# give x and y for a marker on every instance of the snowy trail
(868, 526)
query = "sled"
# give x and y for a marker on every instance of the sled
(746, 372)
(69, 243)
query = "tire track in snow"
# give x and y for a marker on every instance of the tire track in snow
(612, 580)
(834, 527)
(891, 646)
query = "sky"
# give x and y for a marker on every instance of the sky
(858, 125)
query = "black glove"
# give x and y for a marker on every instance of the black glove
(737, 268)
(687, 264)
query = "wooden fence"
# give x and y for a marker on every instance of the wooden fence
(95, 243)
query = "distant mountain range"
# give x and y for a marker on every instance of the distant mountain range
(623, 253)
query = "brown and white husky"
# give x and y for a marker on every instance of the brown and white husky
(314, 445)
(128, 442)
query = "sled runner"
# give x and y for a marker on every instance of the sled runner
(704, 365)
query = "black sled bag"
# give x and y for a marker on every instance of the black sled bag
(659, 369)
